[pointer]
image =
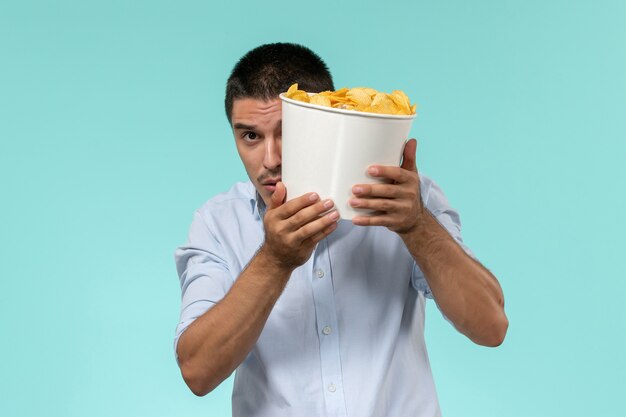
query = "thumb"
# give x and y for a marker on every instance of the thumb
(408, 156)
(278, 197)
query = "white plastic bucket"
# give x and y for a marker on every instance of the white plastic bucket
(328, 150)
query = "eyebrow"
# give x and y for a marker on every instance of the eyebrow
(244, 126)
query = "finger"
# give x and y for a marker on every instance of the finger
(385, 205)
(375, 220)
(293, 206)
(408, 156)
(278, 196)
(316, 226)
(378, 190)
(310, 213)
(396, 174)
(321, 235)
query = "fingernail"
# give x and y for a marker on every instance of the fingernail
(313, 197)
(357, 190)
(328, 204)
(334, 215)
(354, 202)
(372, 170)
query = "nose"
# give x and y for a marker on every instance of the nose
(272, 158)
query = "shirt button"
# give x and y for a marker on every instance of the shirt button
(320, 273)
(327, 330)
(332, 388)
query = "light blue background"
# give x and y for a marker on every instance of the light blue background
(112, 132)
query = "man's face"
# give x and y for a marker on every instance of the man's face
(257, 126)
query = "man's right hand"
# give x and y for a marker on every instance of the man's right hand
(293, 228)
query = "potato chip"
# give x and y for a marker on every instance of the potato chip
(320, 100)
(301, 96)
(339, 93)
(295, 94)
(381, 103)
(369, 91)
(292, 89)
(359, 96)
(401, 100)
(358, 99)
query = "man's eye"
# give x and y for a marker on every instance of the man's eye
(250, 135)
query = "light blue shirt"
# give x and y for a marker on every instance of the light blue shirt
(345, 338)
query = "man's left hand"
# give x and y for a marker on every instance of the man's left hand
(397, 202)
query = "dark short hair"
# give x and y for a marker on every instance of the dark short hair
(268, 70)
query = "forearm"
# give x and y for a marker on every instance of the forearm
(466, 292)
(218, 341)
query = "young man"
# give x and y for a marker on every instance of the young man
(321, 317)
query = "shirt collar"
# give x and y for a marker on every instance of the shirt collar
(260, 203)
(257, 205)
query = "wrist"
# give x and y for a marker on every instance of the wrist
(271, 262)
(425, 229)
(421, 224)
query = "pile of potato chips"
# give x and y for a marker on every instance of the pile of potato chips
(359, 99)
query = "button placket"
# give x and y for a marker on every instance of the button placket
(327, 328)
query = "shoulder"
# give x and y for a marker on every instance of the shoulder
(425, 184)
(238, 200)
(222, 215)
(437, 203)
(432, 194)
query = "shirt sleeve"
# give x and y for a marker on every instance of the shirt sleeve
(437, 203)
(204, 274)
